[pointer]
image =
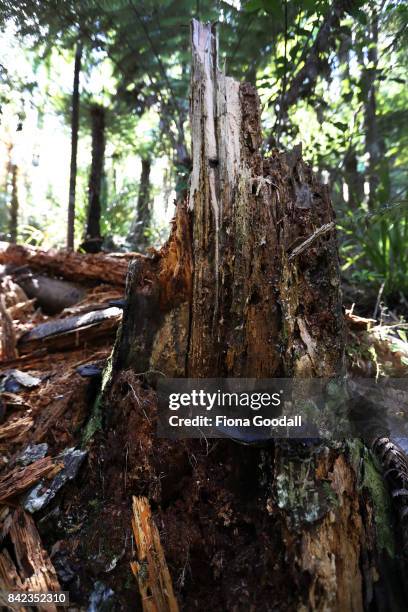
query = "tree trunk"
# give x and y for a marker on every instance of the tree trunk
(139, 238)
(93, 240)
(247, 286)
(14, 204)
(354, 179)
(74, 147)
(377, 166)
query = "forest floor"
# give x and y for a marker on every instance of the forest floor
(68, 472)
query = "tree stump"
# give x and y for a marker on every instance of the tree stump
(248, 285)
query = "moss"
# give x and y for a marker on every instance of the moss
(355, 449)
(370, 477)
(94, 423)
(373, 480)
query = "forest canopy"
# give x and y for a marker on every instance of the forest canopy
(331, 76)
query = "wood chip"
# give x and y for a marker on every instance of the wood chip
(22, 478)
(151, 571)
(16, 429)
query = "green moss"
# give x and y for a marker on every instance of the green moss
(355, 448)
(371, 477)
(94, 423)
(373, 480)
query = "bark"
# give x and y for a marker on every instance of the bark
(8, 336)
(93, 239)
(248, 285)
(139, 239)
(351, 175)
(74, 147)
(354, 180)
(14, 204)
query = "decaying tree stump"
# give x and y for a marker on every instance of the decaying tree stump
(228, 276)
(248, 285)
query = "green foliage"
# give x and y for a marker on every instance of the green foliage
(119, 211)
(376, 249)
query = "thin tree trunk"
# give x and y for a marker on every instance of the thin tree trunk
(14, 204)
(139, 238)
(351, 175)
(93, 239)
(374, 144)
(354, 179)
(74, 148)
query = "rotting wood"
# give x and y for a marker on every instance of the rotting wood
(71, 332)
(32, 570)
(358, 323)
(151, 571)
(9, 580)
(24, 360)
(22, 478)
(17, 429)
(8, 336)
(99, 267)
(243, 309)
(253, 312)
(21, 309)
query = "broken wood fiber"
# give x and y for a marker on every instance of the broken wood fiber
(151, 571)
(29, 568)
(20, 479)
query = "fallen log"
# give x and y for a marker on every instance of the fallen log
(101, 267)
(71, 332)
(22, 478)
(151, 571)
(51, 294)
(30, 568)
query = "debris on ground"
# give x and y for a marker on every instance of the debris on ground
(65, 504)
